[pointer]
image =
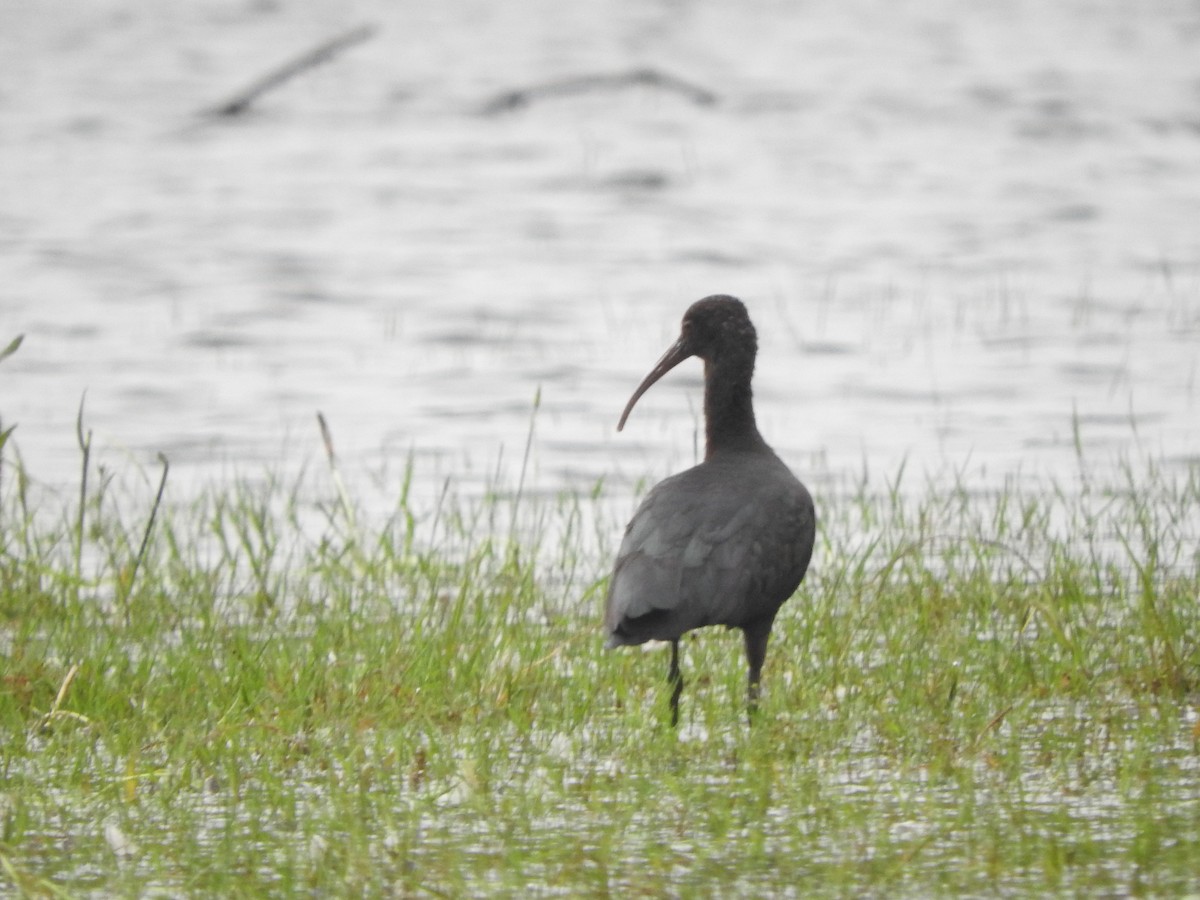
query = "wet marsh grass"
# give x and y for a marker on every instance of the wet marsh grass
(973, 693)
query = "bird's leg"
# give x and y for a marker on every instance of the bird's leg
(756, 652)
(675, 678)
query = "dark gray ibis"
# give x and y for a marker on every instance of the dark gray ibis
(725, 542)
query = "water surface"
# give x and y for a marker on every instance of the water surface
(969, 239)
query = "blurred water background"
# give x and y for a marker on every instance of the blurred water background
(969, 235)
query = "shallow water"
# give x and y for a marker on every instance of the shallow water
(1071, 821)
(969, 242)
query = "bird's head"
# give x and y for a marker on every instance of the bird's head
(715, 329)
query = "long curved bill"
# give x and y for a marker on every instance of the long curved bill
(678, 352)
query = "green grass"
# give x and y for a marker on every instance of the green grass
(989, 693)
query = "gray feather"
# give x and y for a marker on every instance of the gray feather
(719, 544)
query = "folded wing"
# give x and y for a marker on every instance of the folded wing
(715, 545)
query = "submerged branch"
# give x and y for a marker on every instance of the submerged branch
(579, 84)
(240, 102)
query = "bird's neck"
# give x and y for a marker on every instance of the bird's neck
(729, 411)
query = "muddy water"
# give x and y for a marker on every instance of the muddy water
(970, 242)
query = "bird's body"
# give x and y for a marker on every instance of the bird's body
(703, 549)
(725, 542)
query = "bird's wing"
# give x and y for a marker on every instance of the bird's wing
(704, 551)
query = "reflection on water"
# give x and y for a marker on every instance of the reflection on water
(968, 241)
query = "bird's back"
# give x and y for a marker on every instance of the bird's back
(723, 543)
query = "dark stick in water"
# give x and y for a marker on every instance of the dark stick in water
(515, 99)
(241, 101)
